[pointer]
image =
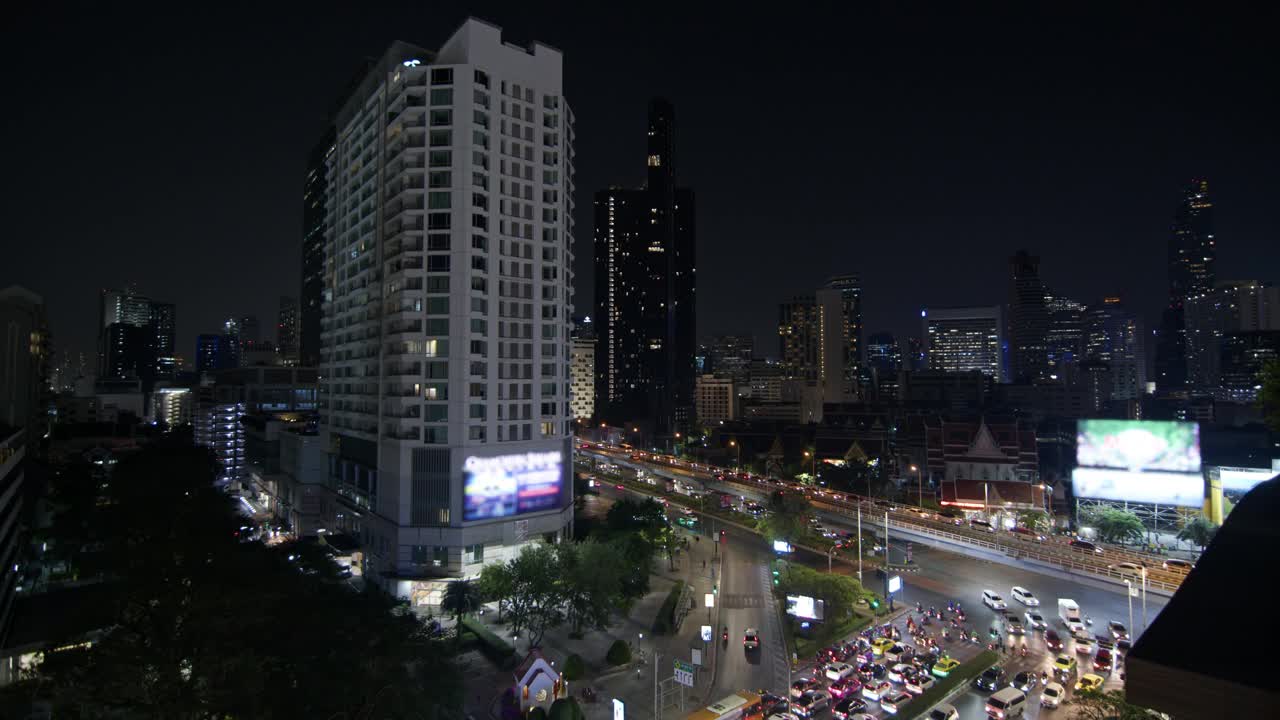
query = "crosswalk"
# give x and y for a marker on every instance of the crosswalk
(777, 650)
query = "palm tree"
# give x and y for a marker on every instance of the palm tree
(460, 598)
(1198, 532)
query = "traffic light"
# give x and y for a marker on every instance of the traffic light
(875, 603)
(715, 589)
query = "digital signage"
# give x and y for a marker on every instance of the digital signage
(1154, 487)
(507, 485)
(805, 607)
(1239, 481)
(1138, 445)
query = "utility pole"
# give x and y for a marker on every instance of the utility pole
(859, 545)
(1128, 587)
(657, 709)
(1144, 599)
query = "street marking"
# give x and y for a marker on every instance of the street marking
(738, 601)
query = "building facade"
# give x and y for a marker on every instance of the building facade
(1064, 339)
(582, 378)
(965, 339)
(1231, 307)
(446, 318)
(840, 315)
(1114, 335)
(315, 218)
(1243, 355)
(287, 331)
(730, 356)
(800, 338)
(716, 400)
(217, 352)
(645, 255)
(1028, 320)
(1191, 261)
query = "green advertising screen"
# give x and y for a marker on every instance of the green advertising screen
(1139, 445)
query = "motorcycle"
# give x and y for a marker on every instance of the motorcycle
(725, 635)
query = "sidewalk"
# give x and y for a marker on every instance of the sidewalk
(634, 683)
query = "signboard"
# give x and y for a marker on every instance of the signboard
(706, 633)
(782, 546)
(709, 599)
(1242, 480)
(1162, 488)
(619, 710)
(895, 583)
(506, 485)
(684, 673)
(1133, 590)
(1138, 445)
(803, 606)
(695, 655)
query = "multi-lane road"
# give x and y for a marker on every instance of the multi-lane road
(942, 576)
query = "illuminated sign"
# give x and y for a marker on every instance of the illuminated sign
(1242, 480)
(506, 485)
(805, 607)
(1138, 445)
(895, 583)
(782, 546)
(1157, 488)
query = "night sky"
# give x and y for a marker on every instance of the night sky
(919, 149)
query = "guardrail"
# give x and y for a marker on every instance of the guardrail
(1017, 546)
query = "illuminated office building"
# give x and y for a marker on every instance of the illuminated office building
(1192, 256)
(444, 345)
(965, 339)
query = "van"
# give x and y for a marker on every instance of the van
(1008, 703)
(992, 599)
(1024, 596)
(981, 525)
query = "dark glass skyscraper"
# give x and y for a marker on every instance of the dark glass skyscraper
(1028, 318)
(645, 291)
(164, 328)
(315, 210)
(1192, 255)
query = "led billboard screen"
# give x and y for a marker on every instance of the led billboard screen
(805, 607)
(1138, 445)
(506, 485)
(1155, 487)
(1242, 480)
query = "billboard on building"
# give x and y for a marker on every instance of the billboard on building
(507, 485)
(1154, 488)
(1138, 445)
(1239, 481)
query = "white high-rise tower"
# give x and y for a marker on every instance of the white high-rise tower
(446, 316)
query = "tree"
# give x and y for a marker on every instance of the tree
(574, 667)
(1117, 526)
(619, 653)
(536, 602)
(789, 517)
(628, 515)
(1198, 532)
(565, 709)
(634, 555)
(1269, 394)
(1036, 520)
(592, 584)
(460, 598)
(838, 593)
(496, 584)
(1096, 705)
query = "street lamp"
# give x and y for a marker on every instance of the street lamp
(919, 483)
(738, 465)
(813, 459)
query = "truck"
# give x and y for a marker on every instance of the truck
(1069, 613)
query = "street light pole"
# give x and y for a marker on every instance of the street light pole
(859, 542)
(1128, 591)
(919, 483)
(1144, 599)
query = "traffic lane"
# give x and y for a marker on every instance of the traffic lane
(744, 604)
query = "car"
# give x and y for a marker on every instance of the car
(1035, 620)
(811, 703)
(1064, 664)
(992, 599)
(1024, 681)
(1006, 703)
(895, 701)
(1118, 630)
(782, 716)
(1177, 565)
(919, 683)
(943, 711)
(1013, 625)
(898, 652)
(619, 487)
(838, 670)
(1084, 642)
(945, 666)
(1104, 642)
(1128, 569)
(990, 679)
(1052, 640)
(898, 673)
(922, 514)
(1052, 694)
(803, 685)
(1090, 681)
(880, 645)
(751, 639)
(1084, 546)
(1024, 596)
(847, 707)
(845, 687)
(982, 525)
(876, 689)
(1028, 533)
(769, 701)
(1103, 661)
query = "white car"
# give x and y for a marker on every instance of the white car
(838, 671)
(751, 639)
(894, 702)
(875, 690)
(1052, 695)
(919, 683)
(898, 673)
(1035, 620)
(1084, 642)
(897, 653)
(1024, 596)
(1128, 569)
(943, 711)
(992, 599)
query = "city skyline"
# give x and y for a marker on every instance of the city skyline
(924, 182)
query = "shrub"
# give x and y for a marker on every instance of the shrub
(495, 648)
(619, 653)
(537, 713)
(665, 622)
(574, 669)
(565, 709)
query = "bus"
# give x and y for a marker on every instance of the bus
(742, 705)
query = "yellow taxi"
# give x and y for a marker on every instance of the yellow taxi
(1089, 682)
(1065, 663)
(945, 665)
(880, 646)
